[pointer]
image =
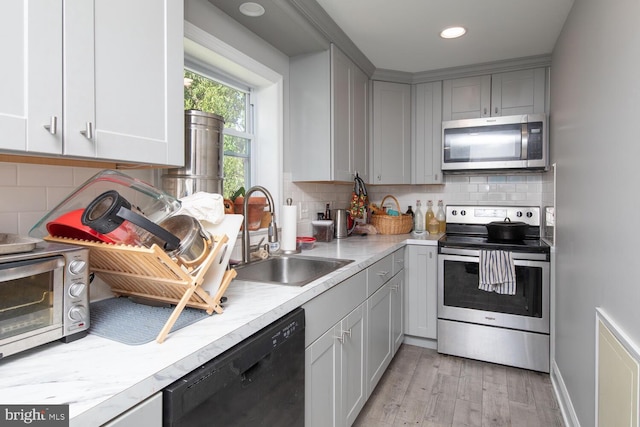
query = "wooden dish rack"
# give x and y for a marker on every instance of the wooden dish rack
(150, 273)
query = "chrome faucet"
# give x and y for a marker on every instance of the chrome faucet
(273, 228)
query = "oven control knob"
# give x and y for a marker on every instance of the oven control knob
(463, 212)
(529, 214)
(76, 289)
(454, 212)
(519, 214)
(77, 266)
(77, 313)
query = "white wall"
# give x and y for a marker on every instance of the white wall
(595, 104)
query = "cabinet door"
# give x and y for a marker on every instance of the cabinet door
(397, 312)
(518, 92)
(341, 120)
(354, 393)
(379, 335)
(391, 133)
(31, 78)
(466, 98)
(361, 124)
(420, 292)
(426, 167)
(137, 50)
(323, 394)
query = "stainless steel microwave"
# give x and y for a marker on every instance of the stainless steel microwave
(495, 143)
(44, 296)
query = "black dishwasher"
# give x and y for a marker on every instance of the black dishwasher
(258, 382)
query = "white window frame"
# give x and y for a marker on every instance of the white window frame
(267, 84)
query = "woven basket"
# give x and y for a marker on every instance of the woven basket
(387, 224)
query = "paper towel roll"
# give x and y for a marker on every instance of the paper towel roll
(289, 224)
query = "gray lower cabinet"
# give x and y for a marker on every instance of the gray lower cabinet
(352, 332)
(420, 299)
(334, 384)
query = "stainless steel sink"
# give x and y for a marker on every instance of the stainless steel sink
(289, 270)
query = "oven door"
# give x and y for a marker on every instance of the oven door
(460, 299)
(30, 303)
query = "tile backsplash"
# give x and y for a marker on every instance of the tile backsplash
(29, 191)
(535, 189)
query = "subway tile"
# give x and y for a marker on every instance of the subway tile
(8, 174)
(506, 188)
(477, 179)
(516, 178)
(456, 179)
(52, 176)
(9, 223)
(22, 199)
(472, 188)
(478, 197)
(496, 197)
(484, 188)
(496, 179)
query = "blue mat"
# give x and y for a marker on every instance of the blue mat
(123, 320)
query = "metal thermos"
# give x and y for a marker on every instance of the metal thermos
(203, 169)
(341, 226)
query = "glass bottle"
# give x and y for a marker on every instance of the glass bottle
(410, 212)
(418, 219)
(440, 216)
(327, 211)
(431, 221)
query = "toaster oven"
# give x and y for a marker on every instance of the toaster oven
(44, 296)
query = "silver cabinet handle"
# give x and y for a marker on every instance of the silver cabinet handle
(399, 261)
(485, 111)
(52, 127)
(496, 112)
(395, 287)
(340, 338)
(88, 133)
(347, 333)
(382, 273)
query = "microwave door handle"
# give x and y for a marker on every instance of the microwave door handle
(525, 142)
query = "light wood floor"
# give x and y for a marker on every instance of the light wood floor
(426, 389)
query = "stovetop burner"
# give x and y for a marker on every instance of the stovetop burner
(482, 242)
(466, 228)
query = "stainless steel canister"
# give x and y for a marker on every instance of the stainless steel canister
(203, 169)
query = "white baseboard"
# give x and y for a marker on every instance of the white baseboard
(560, 389)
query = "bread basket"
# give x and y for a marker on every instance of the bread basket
(387, 224)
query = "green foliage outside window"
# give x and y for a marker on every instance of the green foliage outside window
(201, 93)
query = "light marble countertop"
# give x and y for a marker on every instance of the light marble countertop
(100, 378)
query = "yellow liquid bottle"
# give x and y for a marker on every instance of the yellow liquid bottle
(430, 219)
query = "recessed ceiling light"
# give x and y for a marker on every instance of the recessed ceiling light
(452, 32)
(251, 9)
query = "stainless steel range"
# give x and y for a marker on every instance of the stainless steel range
(506, 325)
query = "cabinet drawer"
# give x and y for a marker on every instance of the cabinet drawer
(398, 261)
(328, 308)
(379, 273)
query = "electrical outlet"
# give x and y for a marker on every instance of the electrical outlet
(303, 211)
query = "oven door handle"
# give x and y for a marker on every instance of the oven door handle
(529, 256)
(22, 269)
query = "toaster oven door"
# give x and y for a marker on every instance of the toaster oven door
(30, 303)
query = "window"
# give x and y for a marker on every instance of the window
(233, 104)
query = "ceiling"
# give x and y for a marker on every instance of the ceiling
(403, 35)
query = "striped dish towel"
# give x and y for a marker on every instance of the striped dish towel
(497, 272)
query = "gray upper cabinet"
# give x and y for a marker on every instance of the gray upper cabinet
(391, 133)
(500, 94)
(426, 136)
(329, 117)
(95, 80)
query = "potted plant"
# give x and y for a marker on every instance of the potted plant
(256, 207)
